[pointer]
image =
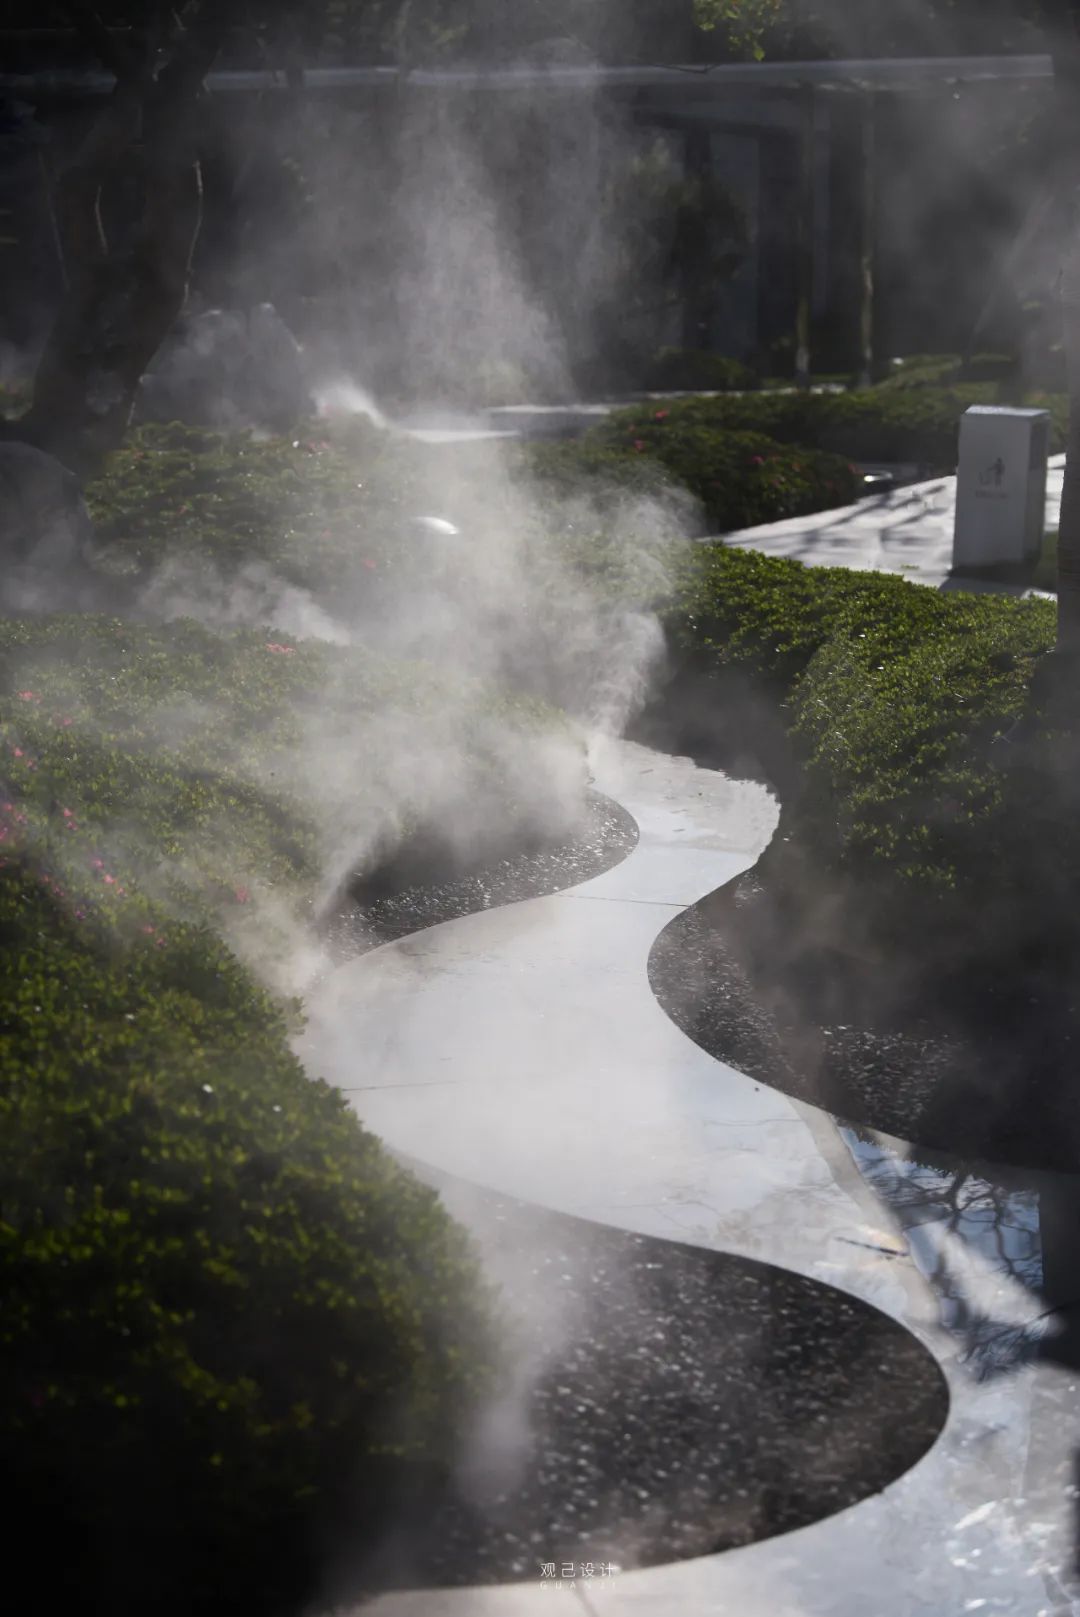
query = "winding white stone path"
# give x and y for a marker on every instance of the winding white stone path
(521, 1049)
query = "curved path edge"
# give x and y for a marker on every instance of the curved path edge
(521, 1050)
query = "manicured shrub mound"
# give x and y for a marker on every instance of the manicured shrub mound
(918, 425)
(300, 507)
(236, 1335)
(233, 1328)
(893, 695)
(740, 477)
(333, 512)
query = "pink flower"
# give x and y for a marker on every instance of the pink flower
(639, 445)
(67, 813)
(661, 415)
(17, 751)
(29, 696)
(272, 645)
(98, 864)
(757, 460)
(63, 723)
(110, 879)
(241, 894)
(149, 931)
(369, 564)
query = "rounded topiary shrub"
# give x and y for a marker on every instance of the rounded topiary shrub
(740, 478)
(237, 1338)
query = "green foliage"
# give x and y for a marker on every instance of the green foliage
(233, 1328)
(740, 477)
(688, 370)
(893, 693)
(232, 1324)
(299, 506)
(746, 20)
(880, 424)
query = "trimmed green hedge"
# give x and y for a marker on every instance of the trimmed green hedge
(919, 425)
(233, 1327)
(333, 508)
(741, 478)
(235, 1333)
(893, 693)
(312, 509)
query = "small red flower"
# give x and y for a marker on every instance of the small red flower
(110, 879)
(661, 415)
(17, 751)
(29, 696)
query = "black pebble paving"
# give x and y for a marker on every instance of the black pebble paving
(682, 1402)
(997, 1088)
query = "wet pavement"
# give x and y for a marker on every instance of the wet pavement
(906, 530)
(520, 1050)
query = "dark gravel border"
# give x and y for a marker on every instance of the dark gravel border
(391, 902)
(678, 1401)
(990, 1081)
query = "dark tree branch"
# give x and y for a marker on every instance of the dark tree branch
(125, 298)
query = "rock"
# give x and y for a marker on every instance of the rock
(227, 369)
(46, 535)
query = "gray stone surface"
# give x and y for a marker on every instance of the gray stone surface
(522, 1050)
(908, 530)
(226, 368)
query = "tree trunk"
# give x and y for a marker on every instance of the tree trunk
(123, 298)
(1067, 90)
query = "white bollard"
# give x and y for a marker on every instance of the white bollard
(1000, 486)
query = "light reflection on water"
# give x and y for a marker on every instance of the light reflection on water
(979, 1243)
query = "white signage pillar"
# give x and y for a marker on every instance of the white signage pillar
(1000, 486)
